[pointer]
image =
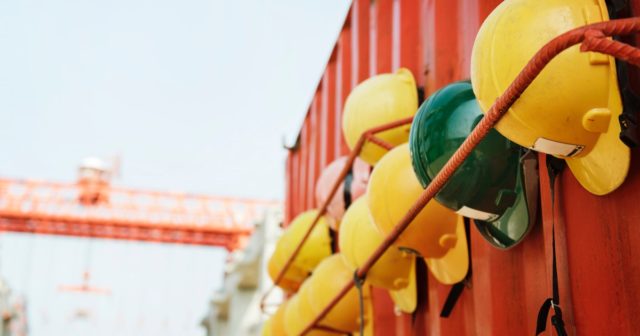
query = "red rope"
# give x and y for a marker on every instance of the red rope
(384, 144)
(497, 110)
(596, 41)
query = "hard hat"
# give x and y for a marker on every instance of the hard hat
(353, 186)
(298, 315)
(490, 185)
(317, 246)
(292, 278)
(378, 101)
(395, 270)
(327, 280)
(436, 233)
(571, 109)
(277, 320)
(267, 327)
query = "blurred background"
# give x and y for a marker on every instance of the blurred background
(146, 113)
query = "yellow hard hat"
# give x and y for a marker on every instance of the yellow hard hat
(277, 320)
(327, 280)
(317, 246)
(571, 109)
(293, 277)
(437, 233)
(267, 327)
(350, 188)
(377, 101)
(395, 270)
(298, 315)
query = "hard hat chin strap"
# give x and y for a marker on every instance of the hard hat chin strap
(554, 167)
(556, 319)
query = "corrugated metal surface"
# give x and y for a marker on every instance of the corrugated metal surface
(599, 260)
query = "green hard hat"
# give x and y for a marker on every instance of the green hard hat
(494, 185)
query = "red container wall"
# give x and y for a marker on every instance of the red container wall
(599, 263)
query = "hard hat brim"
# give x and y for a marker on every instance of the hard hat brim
(406, 299)
(605, 168)
(453, 267)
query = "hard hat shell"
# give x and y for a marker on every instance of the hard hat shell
(377, 101)
(571, 109)
(488, 186)
(317, 246)
(298, 315)
(435, 231)
(395, 270)
(327, 280)
(292, 278)
(355, 183)
(277, 320)
(267, 327)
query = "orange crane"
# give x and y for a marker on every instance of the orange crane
(92, 207)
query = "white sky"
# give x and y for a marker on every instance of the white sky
(194, 95)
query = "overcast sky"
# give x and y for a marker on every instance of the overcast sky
(194, 95)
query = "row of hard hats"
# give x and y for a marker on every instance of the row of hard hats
(496, 185)
(570, 111)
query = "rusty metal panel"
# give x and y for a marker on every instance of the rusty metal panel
(409, 35)
(383, 12)
(597, 237)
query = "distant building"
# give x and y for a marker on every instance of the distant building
(13, 314)
(235, 307)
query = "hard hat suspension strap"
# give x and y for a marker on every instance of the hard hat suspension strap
(554, 167)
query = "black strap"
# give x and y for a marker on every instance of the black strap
(554, 168)
(333, 238)
(452, 298)
(457, 288)
(359, 282)
(531, 181)
(619, 9)
(630, 106)
(422, 291)
(346, 194)
(421, 95)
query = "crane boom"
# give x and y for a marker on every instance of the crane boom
(44, 207)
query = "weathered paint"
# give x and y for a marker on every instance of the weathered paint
(598, 258)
